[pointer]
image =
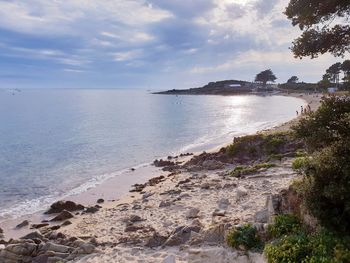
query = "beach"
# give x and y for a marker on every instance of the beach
(181, 214)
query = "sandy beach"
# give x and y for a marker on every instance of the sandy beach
(181, 215)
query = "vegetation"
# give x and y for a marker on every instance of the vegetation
(239, 171)
(293, 79)
(245, 237)
(304, 247)
(262, 146)
(265, 76)
(283, 225)
(320, 33)
(326, 190)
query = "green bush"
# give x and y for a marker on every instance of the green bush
(283, 225)
(317, 248)
(327, 187)
(289, 249)
(300, 164)
(329, 124)
(245, 237)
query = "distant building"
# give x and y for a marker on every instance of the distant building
(234, 85)
(332, 89)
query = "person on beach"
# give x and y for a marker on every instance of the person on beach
(301, 109)
(297, 113)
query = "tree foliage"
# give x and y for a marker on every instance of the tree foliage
(293, 79)
(265, 76)
(320, 33)
(334, 71)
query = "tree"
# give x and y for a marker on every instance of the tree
(334, 71)
(320, 34)
(345, 67)
(293, 79)
(265, 76)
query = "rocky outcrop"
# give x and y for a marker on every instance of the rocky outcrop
(59, 206)
(53, 247)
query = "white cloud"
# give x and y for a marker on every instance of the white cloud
(127, 55)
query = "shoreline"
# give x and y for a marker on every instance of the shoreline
(105, 189)
(154, 200)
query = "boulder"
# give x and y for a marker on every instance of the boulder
(64, 215)
(155, 241)
(49, 246)
(33, 235)
(163, 163)
(23, 249)
(192, 213)
(223, 203)
(261, 216)
(212, 165)
(165, 203)
(37, 226)
(59, 206)
(91, 210)
(181, 235)
(23, 224)
(215, 235)
(240, 192)
(218, 212)
(66, 223)
(100, 201)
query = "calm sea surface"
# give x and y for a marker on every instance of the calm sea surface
(52, 142)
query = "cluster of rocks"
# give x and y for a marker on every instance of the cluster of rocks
(38, 248)
(151, 182)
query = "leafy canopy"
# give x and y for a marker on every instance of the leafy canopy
(265, 76)
(316, 18)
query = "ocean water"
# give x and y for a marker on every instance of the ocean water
(52, 142)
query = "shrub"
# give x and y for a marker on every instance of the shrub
(327, 186)
(300, 164)
(320, 247)
(289, 249)
(244, 237)
(330, 123)
(283, 225)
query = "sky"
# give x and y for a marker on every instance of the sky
(154, 44)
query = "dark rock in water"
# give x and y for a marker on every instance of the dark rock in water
(91, 210)
(132, 169)
(66, 223)
(36, 226)
(64, 205)
(162, 163)
(100, 201)
(33, 235)
(1, 231)
(62, 216)
(23, 224)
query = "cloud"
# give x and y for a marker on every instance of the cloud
(127, 55)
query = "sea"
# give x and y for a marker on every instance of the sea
(57, 142)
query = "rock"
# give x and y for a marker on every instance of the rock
(132, 219)
(205, 185)
(49, 246)
(64, 205)
(23, 224)
(33, 235)
(170, 259)
(261, 216)
(23, 249)
(223, 203)
(165, 203)
(240, 192)
(181, 235)
(91, 210)
(138, 188)
(87, 248)
(162, 163)
(100, 201)
(156, 180)
(62, 216)
(215, 235)
(219, 212)
(156, 240)
(37, 226)
(212, 165)
(133, 228)
(146, 195)
(192, 213)
(136, 207)
(66, 223)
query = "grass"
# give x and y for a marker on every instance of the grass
(245, 238)
(239, 171)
